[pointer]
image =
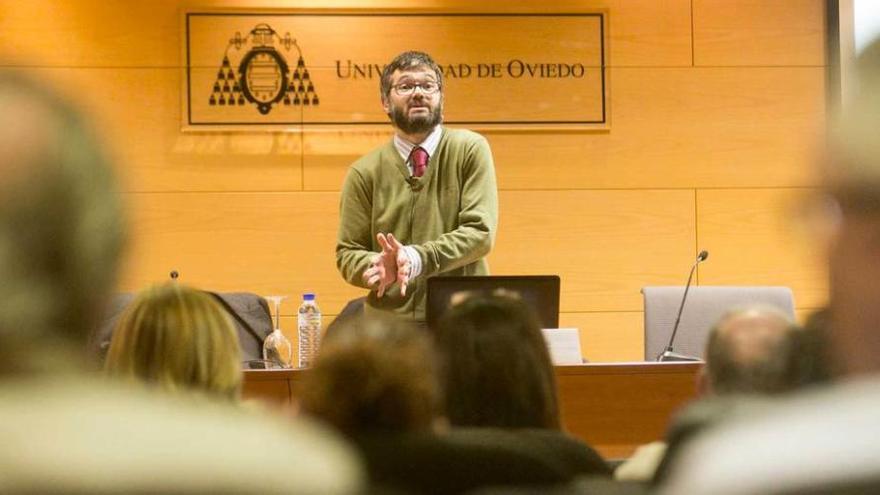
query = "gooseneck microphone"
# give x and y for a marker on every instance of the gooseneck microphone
(669, 354)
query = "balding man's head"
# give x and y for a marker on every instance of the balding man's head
(750, 351)
(60, 221)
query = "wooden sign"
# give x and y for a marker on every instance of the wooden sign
(306, 69)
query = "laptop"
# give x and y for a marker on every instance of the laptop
(541, 292)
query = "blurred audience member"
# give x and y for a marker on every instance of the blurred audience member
(66, 430)
(495, 366)
(60, 230)
(376, 380)
(178, 339)
(815, 364)
(496, 373)
(823, 442)
(373, 375)
(751, 352)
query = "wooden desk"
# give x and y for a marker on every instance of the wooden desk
(617, 407)
(614, 407)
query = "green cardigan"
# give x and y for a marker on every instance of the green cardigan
(449, 215)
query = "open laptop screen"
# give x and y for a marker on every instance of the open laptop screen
(541, 292)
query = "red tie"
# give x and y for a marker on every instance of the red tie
(419, 159)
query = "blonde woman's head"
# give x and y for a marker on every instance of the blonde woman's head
(178, 339)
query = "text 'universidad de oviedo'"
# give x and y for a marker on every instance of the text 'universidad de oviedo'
(513, 69)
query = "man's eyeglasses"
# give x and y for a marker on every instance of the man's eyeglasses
(408, 88)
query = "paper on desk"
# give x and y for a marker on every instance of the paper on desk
(564, 345)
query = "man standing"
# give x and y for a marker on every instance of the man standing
(425, 203)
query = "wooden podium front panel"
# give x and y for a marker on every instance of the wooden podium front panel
(617, 407)
(613, 407)
(271, 386)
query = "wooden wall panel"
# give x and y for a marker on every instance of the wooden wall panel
(137, 112)
(671, 128)
(605, 245)
(608, 336)
(96, 33)
(754, 239)
(647, 33)
(328, 154)
(90, 33)
(268, 243)
(759, 32)
(681, 128)
(271, 242)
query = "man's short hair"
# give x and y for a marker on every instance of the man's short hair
(408, 61)
(60, 220)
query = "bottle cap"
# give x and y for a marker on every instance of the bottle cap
(309, 296)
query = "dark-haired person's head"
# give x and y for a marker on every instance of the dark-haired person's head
(373, 375)
(495, 367)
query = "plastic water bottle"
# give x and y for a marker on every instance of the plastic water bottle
(309, 329)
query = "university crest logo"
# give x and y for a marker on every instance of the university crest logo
(255, 71)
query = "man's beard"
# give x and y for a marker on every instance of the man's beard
(419, 123)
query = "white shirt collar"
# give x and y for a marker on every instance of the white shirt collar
(430, 144)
